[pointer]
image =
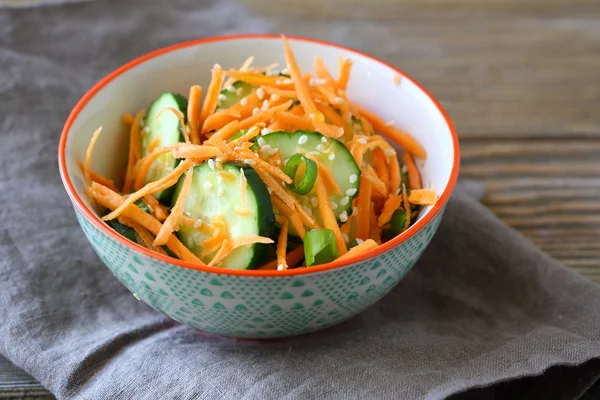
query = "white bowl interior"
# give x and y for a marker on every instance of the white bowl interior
(371, 85)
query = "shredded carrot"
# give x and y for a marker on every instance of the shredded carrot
(152, 188)
(281, 247)
(143, 234)
(330, 114)
(96, 177)
(252, 132)
(181, 119)
(345, 66)
(397, 79)
(221, 254)
(259, 163)
(375, 232)
(171, 224)
(134, 149)
(291, 259)
(291, 214)
(212, 94)
(414, 177)
(306, 219)
(144, 167)
(406, 207)
(160, 212)
(254, 78)
(113, 201)
(392, 203)
(382, 170)
(363, 247)
(242, 212)
(196, 151)
(396, 135)
(328, 179)
(245, 66)
(127, 119)
(323, 73)
(298, 122)
(197, 224)
(88, 156)
(213, 243)
(379, 188)
(227, 176)
(246, 240)
(154, 143)
(422, 197)
(275, 187)
(329, 219)
(364, 204)
(193, 113)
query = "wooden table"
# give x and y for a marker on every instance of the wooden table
(521, 81)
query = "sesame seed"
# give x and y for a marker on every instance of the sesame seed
(351, 191)
(362, 140)
(188, 213)
(255, 111)
(197, 223)
(279, 82)
(231, 88)
(359, 240)
(353, 178)
(390, 123)
(278, 162)
(331, 156)
(266, 105)
(314, 202)
(404, 169)
(345, 236)
(324, 139)
(150, 208)
(343, 216)
(317, 101)
(288, 81)
(266, 131)
(250, 162)
(137, 296)
(219, 179)
(305, 201)
(221, 96)
(280, 267)
(312, 115)
(273, 151)
(217, 66)
(344, 200)
(398, 191)
(338, 100)
(207, 185)
(274, 97)
(355, 211)
(311, 82)
(303, 139)
(265, 149)
(320, 147)
(211, 164)
(261, 142)
(320, 81)
(334, 205)
(285, 71)
(270, 190)
(220, 191)
(260, 92)
(239, 91)
(313, 153)
(244, 101)
(273, 72)
(389, 152)
(146, 130)
(307, 210)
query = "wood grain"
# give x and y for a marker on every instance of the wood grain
(521, 81)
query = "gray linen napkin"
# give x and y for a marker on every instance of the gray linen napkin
(482, 306)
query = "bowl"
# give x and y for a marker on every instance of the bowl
(253, 303)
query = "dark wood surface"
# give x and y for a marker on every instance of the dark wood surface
(521, 81)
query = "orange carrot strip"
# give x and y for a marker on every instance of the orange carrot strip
(196, 151)
(395, 177)
(276, 187)
(306, 219)
(422, 197)
(291, 214)
(193, 113)
(252, 132)
(113, 201)
(96, 177)
(245, 240)
(414, 177)
(375, 231)
(151, 188)
(160, 212)
(281, 247)
(363, 247)
(260, 163)
(127, 119)
(221, 254)
(88, 156)
(292, 258)
(345, 66)
(143, 234)
(299, 83)
(392, 203)
(329, 220)
(145, 164)
(323, 73)
(299, 123)
(197, 224)
(395, 135)
(213, 243)
(406, 207)
(134, 150)
(245, 66)
(379, 187)
(364, 204)
(154, 143)
(172, 222)
(254, 78)
(380, 165)
(212, 94)
(330, 115)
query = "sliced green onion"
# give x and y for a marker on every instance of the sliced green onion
(310, 174)
(319, 247)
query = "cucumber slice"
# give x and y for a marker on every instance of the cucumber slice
(242, 90)
(167, 128)
(211, 196)
(342, 167)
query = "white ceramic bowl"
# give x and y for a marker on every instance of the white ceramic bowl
(253, 304)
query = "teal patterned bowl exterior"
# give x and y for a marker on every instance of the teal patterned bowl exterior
(258, 307)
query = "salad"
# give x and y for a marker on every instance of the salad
(271, 170)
